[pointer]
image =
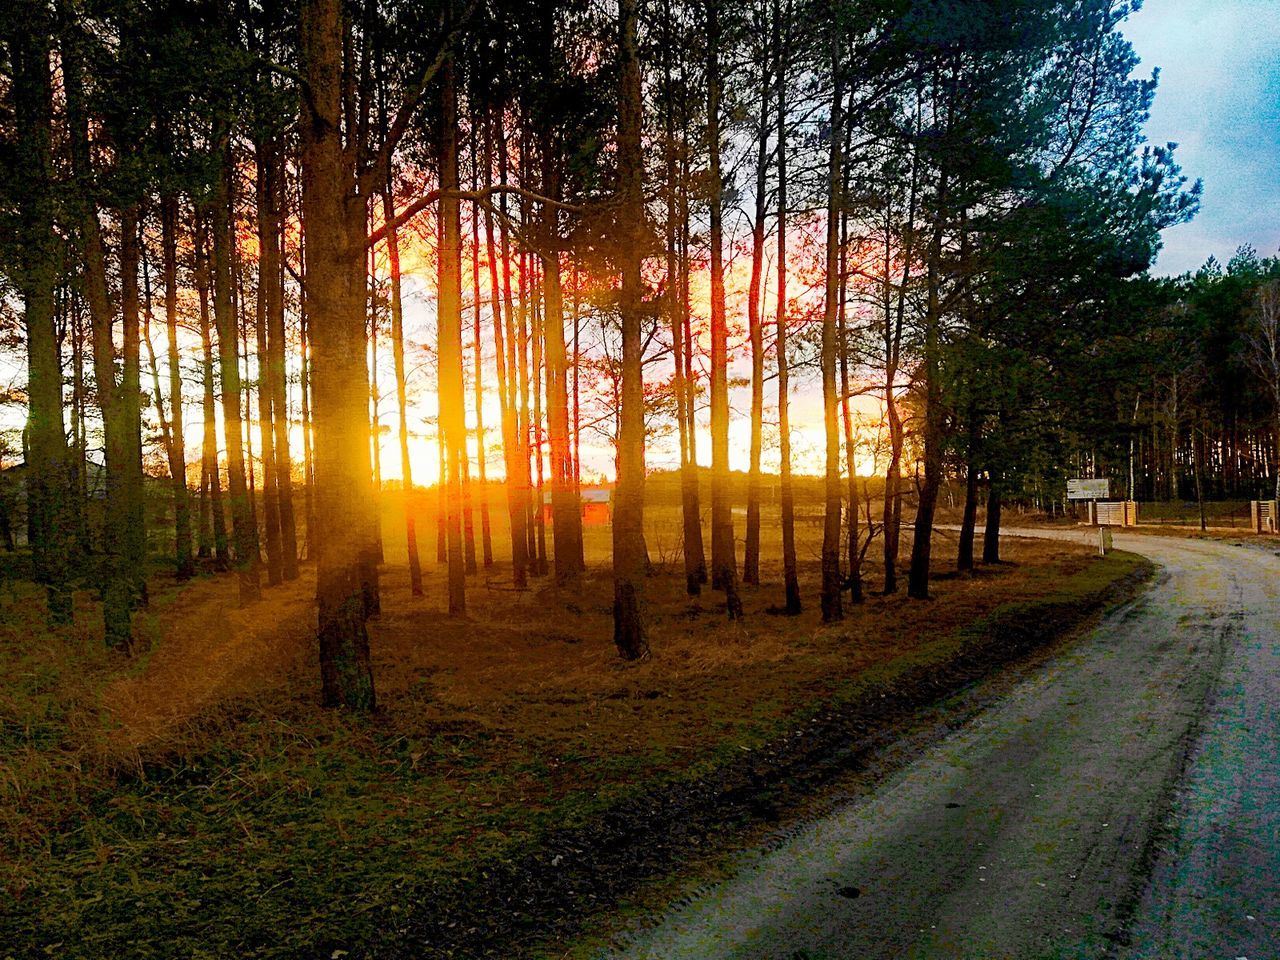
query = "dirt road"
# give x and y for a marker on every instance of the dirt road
(1124, 801)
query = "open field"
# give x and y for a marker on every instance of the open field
(196, 801)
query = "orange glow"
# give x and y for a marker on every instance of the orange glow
(418, 255)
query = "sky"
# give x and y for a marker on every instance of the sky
(1219, 100)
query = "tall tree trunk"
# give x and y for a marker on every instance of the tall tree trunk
(116, 578)
(991, 535)
(790, 576)
(577, 407)
(468, 519)
(486, 535)
(449, 333)
(755, 328)
(846, 416)
(240, 309)
(335, 284)
(724, 567)
(501, 296)
(895, 307)
(628, 515)
(268, 281)
(375, 403)
(79, 430)
(166, 434)
(526, 425)
(308, 433)
(177, 442)
(969, 520)
(442, 484)
(695, 568)
(402, 399)
(536, 342)
(50, 493)
(211, 481)
(690, 482)
(130, 401)
(276, 368)
(922, 535)
(246, 535)
(565, 509)
(832, 608)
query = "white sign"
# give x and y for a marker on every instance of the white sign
(1088, 489)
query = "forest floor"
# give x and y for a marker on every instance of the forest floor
(195, 800)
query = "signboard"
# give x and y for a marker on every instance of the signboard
(1088, 489)
(1111, 514)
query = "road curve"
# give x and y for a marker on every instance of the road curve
(1123, 801)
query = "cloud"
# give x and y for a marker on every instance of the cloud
(1219, 99)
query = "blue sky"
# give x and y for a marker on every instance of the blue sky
(1219, 100)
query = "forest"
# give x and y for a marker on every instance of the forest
(484, 335)
(937, 215)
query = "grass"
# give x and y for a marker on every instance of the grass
(196, 802)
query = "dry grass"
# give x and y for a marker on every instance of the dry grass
(528, 660)
(198, 797)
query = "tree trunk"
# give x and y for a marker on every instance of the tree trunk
(308, 433)
(790, 576)
(177, 442)
(501, 296)
(166, 433)
(246, 381)
(536, 341)
(846, 418)
(922, 535)
(335, 284)
(724, 567)
(131, 401)
(566, 513)
(79, 430)
(116, 578)
(402, 401)
(486, 535)
(449, 335)
(210, 468)
(964, 556)
(442, 484)
(969, 521)
(526, 425)
(755, 326)
(246, 536)
(375, 402)
(991, 533)
(276, 369)
(695, 572)
(268, 281)
(468, 519)
(690, 483)
(628, 514)
(832, 608)
(894, 320)
(50, 499)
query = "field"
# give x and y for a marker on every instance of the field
(195, 801)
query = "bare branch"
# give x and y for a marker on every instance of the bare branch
(375, 174)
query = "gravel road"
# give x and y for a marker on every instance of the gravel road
(1123, 801)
